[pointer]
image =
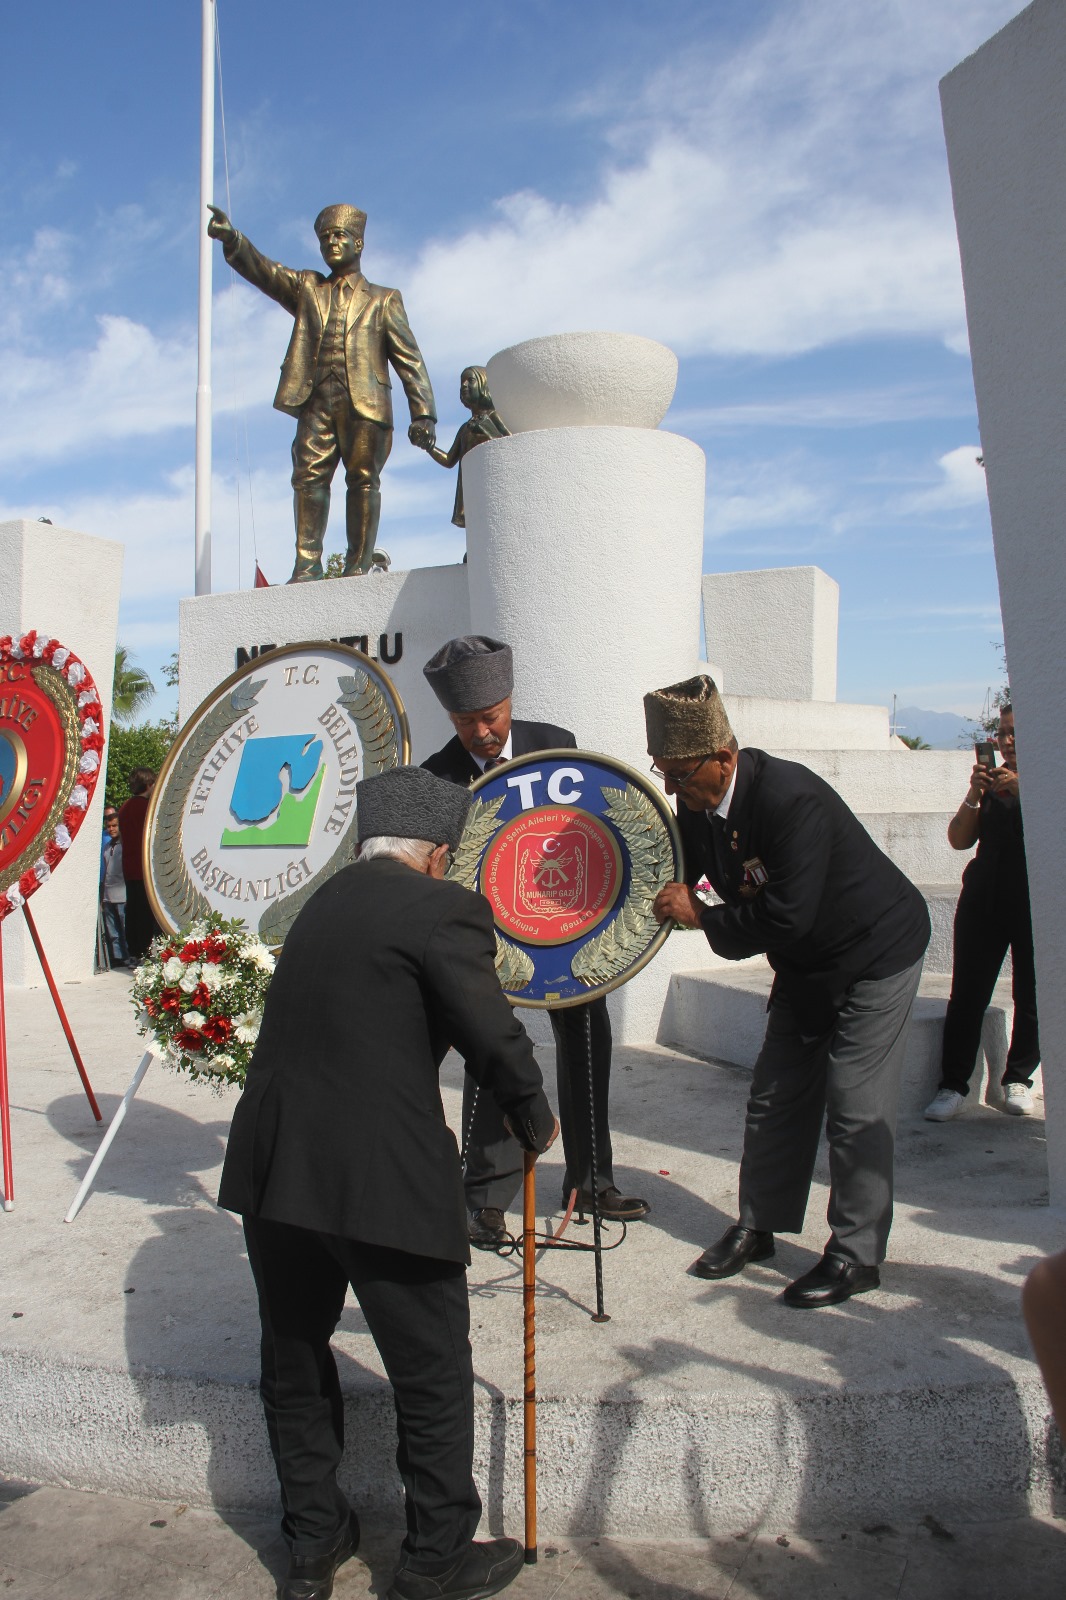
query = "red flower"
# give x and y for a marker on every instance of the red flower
(150, 1006)
(5, 645)
(92, 741)
(190, 1039)
(27, 642)
(217, 1029)
(214, 949)
(171, 999)
(200, 999)
(73, 818)
(168, 954)
(52, 854)
(191, 951)
(28, 883)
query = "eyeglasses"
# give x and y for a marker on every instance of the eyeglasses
(679, 780)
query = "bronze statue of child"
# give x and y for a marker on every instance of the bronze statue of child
(485, 423)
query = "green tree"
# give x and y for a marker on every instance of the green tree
(988, 721)
(145, 745)
(914, 741)
(132, 689)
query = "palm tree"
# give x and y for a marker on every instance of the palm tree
(132, 689)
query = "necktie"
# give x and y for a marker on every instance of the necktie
(494, 761)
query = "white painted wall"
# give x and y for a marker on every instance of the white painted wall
(66, 585)
(1005, 122)
(427, 606)
(774, 632)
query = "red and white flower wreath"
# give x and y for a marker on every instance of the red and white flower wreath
(33, 647)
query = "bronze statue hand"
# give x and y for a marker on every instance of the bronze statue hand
(220, 227)
(423, 433)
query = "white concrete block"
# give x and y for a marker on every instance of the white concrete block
(1005, 122)
(784, 726)
(905, 781)
(918, 844)
(67, 585)
(409, 614)
(585, 548)
(573, 380)
(775, 631)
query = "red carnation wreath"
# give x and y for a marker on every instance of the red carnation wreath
(51, 754)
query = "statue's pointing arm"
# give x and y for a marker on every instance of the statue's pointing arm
(280, 283)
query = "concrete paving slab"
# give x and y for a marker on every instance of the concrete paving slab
(128, 1340)
(131, 1548)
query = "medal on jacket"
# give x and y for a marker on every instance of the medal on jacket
(755, 874)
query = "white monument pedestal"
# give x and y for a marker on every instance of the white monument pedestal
(66, 585)
(1005, 121)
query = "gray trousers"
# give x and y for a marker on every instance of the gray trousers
(850, 1077)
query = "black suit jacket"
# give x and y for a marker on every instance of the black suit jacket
(340, 1127)
(458, 766)
(834, 909)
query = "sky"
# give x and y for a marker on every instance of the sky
(760, 184)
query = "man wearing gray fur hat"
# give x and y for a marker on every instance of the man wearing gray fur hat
(473, 678)
(800, 880)
(345, 1172)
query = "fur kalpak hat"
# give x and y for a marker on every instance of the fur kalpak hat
(348, 217)
(686, 719)
(471, 673)
(410, 803)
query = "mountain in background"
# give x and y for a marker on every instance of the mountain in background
(943, 730)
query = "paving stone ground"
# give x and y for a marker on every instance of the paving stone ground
(57, 1544)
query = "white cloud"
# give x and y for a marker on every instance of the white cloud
(962, 484)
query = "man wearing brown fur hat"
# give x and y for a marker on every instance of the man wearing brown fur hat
(802, 882)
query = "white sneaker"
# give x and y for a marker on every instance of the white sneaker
(943, 1106)
(1017, 1100)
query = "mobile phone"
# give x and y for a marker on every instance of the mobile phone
(985, 751)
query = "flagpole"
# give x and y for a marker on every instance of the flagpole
(203, 363)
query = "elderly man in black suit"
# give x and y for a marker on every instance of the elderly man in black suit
(473, 678)
(845, 932)
(346, 1172)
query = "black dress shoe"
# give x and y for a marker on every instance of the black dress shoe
(614, 1205)
(737, 1246)
(311, 1577)
(832, 1280)
(487, 1227)
(483, 1569)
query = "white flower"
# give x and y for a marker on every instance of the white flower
(227, 977)
(75, 673)
(193, 1019)
(90, 726)
(40, 646)
(63, 837)
(190, 977)
(60, 656)
(222, 1063)
(89, 762)
(16, 650)
(41, 870)
(79, 797)
(173, 969)
(15, 897)
(246, 1026)
(88, 697)
(211, 977)
(260, 955)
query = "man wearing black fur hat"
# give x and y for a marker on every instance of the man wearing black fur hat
(473, 678)
(845, 932)
(346, 1172)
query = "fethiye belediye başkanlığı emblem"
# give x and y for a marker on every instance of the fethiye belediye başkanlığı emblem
(255, 806)
(570, 849)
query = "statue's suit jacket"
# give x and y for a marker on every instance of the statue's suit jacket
(834, 910)
(377, 333)
(340, 1128)
(527, 738)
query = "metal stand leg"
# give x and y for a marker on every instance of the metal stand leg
(105, 1144)
(529, 1351)
(5, 1103)
(57, 1002)
(597, 1246)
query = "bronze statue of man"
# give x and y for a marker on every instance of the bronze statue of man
(335, 380)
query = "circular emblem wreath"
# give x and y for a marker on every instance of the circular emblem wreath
(51, 750)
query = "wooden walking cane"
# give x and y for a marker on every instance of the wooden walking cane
(529, 1348)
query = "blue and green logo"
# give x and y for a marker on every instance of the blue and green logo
(276, 791)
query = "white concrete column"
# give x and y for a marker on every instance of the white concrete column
(774, 632)
(65, 585)
(585, 548)
(1005, 121)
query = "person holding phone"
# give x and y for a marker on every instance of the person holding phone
(991, 918)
